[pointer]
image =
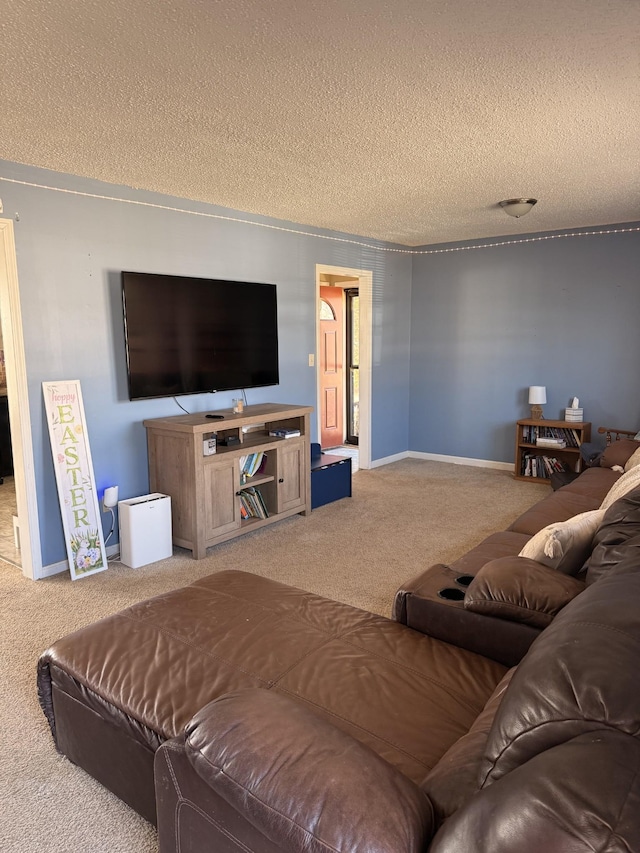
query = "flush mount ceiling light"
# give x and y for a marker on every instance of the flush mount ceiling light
(517, 206)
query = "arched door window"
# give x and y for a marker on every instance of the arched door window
(326, 311)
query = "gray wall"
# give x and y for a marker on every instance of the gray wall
(487, 323)
(71, 249)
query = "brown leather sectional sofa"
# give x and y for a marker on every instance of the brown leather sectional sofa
(278, 720)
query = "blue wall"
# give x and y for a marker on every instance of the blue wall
(71, 249)
(457, 337)
(487, 323)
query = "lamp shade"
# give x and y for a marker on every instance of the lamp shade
(537, 395)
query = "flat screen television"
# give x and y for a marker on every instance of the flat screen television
(192, 335)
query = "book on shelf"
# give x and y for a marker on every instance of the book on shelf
(539, 434)
(541, 467)
(284, 433)
(251, 464)
(551, 442)
(252, 504)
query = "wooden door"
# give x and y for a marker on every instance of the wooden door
(292, 473)
(222, 507)
(331, 367)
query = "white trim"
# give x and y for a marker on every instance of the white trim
(63, 566)
(54, 569)
(387, 460)
(461, 460)
(18, 394)
(438, 457)
(365, 289)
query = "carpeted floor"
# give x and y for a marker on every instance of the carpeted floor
(402, 517)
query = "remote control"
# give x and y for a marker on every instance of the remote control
(215, 417)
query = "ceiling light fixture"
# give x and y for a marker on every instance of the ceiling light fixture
(517, 206)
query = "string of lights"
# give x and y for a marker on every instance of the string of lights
(440, 251)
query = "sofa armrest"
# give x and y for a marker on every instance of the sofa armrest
(303, 783)
(521, 590)
(420, 605)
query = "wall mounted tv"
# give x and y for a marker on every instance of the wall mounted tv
(192, 335)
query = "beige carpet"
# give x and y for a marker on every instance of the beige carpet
(402, 518)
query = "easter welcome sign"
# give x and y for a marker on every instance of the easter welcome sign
(74, 477)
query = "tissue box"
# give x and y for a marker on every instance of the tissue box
(573, 415)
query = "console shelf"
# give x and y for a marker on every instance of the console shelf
(206, 500)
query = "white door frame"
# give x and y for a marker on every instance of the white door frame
(18, 394)
(365, 290)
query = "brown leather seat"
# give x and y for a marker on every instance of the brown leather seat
(143, 673)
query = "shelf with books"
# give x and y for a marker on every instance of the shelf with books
(544, 447)
(252, 503)
(256, 467)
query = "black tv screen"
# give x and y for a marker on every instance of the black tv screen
(192, 335)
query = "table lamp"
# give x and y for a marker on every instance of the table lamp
(537, 399)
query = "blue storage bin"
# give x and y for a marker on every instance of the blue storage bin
(330, 478)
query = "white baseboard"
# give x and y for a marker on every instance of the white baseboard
(461, 460)
(386, 460)
(63, 565)
(438, 457)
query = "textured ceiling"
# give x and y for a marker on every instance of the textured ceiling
(401, 120)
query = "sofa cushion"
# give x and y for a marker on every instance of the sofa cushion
(593, 483)
(584, 493)
(505, 543)
(620, 524)
(455, 777)
(577, 678)
(521, 590)
(618, 453)
(633, 460)
(565, 545)
(626, 483)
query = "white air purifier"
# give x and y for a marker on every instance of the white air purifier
(145, 530)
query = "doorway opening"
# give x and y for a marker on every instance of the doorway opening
(352, 364)
(343, 365)
(26, 532)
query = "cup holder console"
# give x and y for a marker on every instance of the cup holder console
(464, 580)
(451, 594)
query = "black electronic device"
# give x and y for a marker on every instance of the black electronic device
(215, 417)
(229, 441)
(192, 335)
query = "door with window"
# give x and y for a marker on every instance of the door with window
(331, 366)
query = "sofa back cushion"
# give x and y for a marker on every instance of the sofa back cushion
(455, 777)
(620, 524)
(579, 676)
(634, 459)
(628, 481)
(578, 797)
